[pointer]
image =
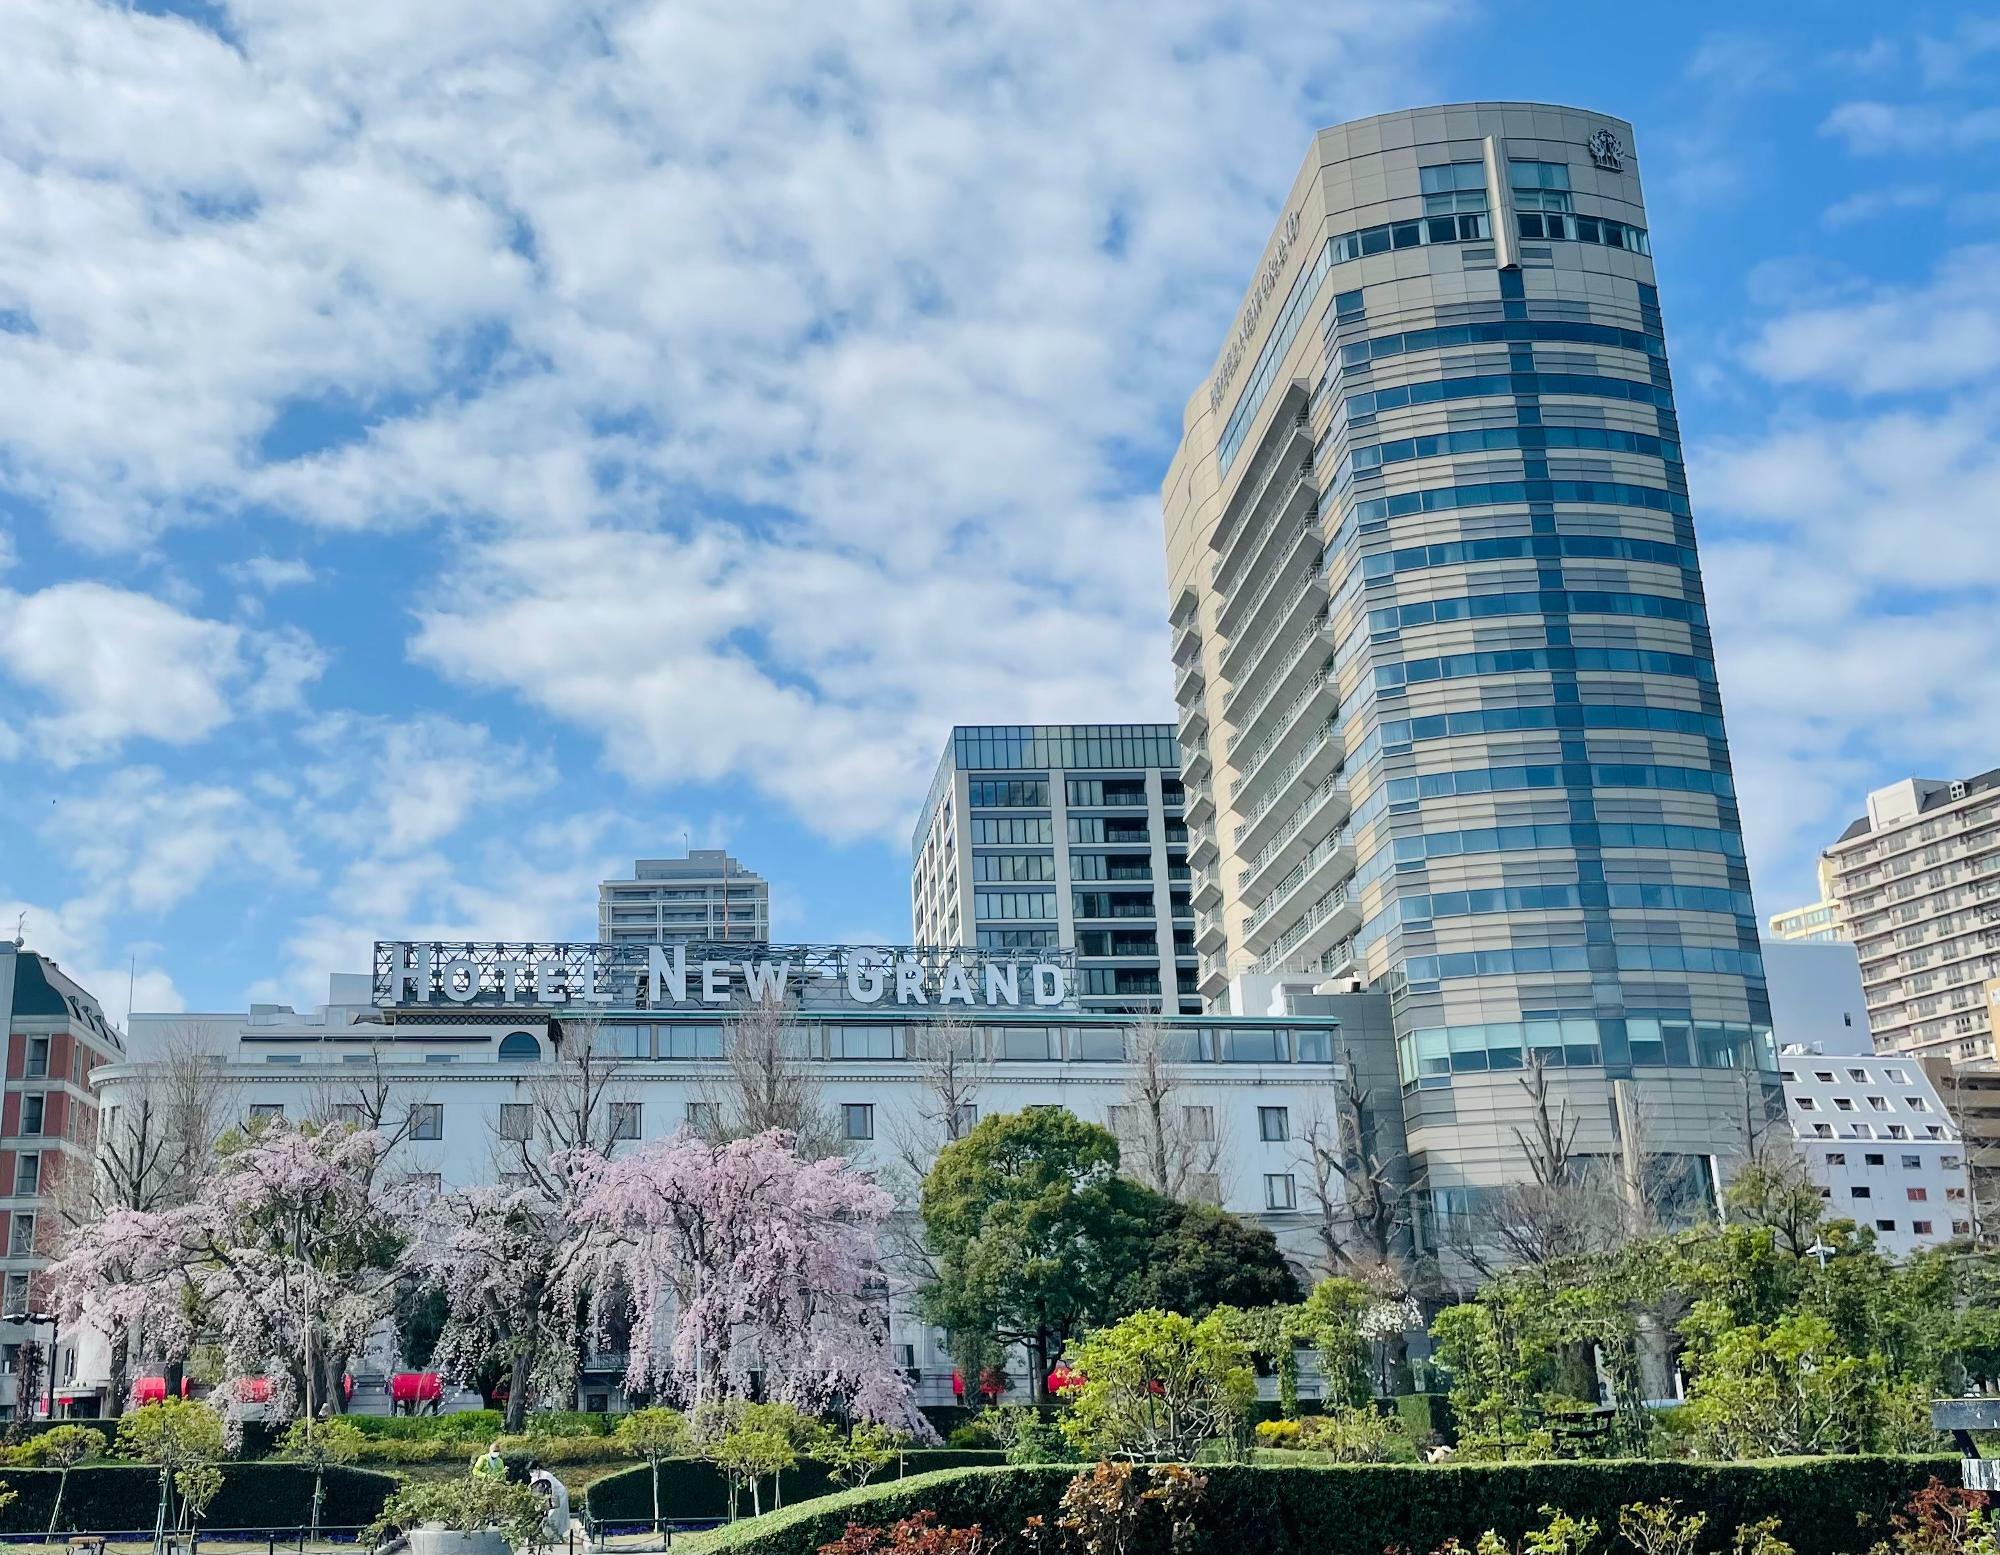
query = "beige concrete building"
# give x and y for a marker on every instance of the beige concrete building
(1917, 881)
(1818, 922)
(1447, 701)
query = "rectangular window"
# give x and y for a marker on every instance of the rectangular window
(21, 1239)
(625, 1120)
(1860, 1192)
(1205, 1188)
(426, 1120)
(1917, 1195)
(1912, 1162)
(703, 1119)
(1274, 1124)
(1199, 1122)
(17, 1292)
(38, 1058)
(1885, 1225)
(1873, 1158)
(1010, 793)
(857, 1120)
(1281, 1191)
(28, 1174)
(31, 1114)
(1836, 1158)
(517, 1121)
(1920, 1227)
(964, 1119)
(266, 1110)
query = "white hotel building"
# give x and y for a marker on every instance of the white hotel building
(454, 1065)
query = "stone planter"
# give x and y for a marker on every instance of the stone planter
(436, 1539)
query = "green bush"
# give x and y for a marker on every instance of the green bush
(480, 1425)
(1426, 1415)
(1826, 1506)
(569, 1422)
(254, 1495)
(691, 1488)
(543, 1449)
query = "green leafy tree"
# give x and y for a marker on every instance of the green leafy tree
(320, 1443)
(1159, 1386)
(64, 1447)
(1033, 1233)
(865, 1451)
(655, 1435)
(178, 1436)
(1330, 1321)
(1202, 1257)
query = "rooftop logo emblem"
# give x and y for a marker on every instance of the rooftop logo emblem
(1608, 151)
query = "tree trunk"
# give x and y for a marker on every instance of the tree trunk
(517, 1393)
(119, 1384)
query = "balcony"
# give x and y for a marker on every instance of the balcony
(1249, 611)
(1209, 934)
(1207, 890)
(1280, 673)
(1324, 806)
(1285, 444)
(1193, 725)
(1188, 683)
(1214, 976)
(1266, 788)
(1200, 808)
(1203, 849)
(1330, 860)
(1335, 916)
(1279, 610)
(1319, 695)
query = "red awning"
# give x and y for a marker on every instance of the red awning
(149, 1390)
(415, 1387)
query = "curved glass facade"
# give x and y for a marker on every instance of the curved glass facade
(1507, 671)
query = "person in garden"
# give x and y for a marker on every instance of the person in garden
(489, 1464)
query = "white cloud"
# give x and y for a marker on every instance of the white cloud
(1871, 203)
(1874, 128)
(118, 665)
(268, 573)
(1854, 588)
(783, 380)
(1943, 333)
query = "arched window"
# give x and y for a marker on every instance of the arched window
(519, 1047)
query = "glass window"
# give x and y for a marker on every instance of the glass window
(857, 1120)
(28, 1174)
(625, 1120)
(38, 1058)
(426, 1120)
(266, 1110)
(520, 1047)
(690, 1041)
(1021, 1044)
(703, 1118)
(1097, 1044)
(1255, 1045)
(623, 1041)
(22, 1239)
(31, 1114)
(1274, 1124)
(1281, 1191)
(1198, 1122)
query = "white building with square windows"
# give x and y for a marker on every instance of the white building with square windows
(1876, 1137)
(449, 1042)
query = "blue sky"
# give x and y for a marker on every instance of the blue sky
(447, 451)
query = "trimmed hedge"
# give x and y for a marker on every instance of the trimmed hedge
(692, 1489)
(254, 1495)
(1827, 1506)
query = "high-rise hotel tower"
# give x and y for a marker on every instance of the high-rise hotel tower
(1447, 701)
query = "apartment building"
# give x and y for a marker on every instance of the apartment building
(705, 895)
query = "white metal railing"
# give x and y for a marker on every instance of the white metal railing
(1256, 527)
(1235, 654)
(1297, 876)
(1286, 773)
(1273, 462)
(1267, 685)
(1285, 720)
(1315, 915)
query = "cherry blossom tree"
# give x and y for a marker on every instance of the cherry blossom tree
(741, 1258)
(283, 1259)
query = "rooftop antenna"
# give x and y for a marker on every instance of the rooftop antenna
(21, 931)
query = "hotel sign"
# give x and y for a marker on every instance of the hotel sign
(581, 978)
(1253, 309)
